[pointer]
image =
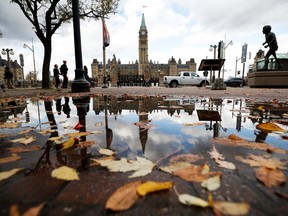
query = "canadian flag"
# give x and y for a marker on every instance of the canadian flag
(106, 39)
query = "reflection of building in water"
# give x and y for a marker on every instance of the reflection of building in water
(141, 106)
(12, 107)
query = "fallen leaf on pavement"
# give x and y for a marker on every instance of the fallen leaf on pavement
(25, 131)
(46, 131)
(269, 127)
(85, 144)
(175, 166)
(186, 158)
(34, 211)
(194, 124)
(10, 125)
(151, 186)
(269, 177)
(9, 159)
(106, 151)
(262, 160)
(189, 200)
(67, 144)
(65, 173)
(212, 183)
(123, 198)
(220, 160)
(20, 149)
(195, 173)
(7, 174)
(140, 166)
(230, 208)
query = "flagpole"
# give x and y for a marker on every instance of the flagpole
(104, 51)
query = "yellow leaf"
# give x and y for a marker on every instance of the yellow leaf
(188, 199)
(65, 173)
(212, 183)
(123, 198)
(7, 174)
(151, 186)
(230, 208)
(28, 140)
(68, 144)
(269, 127)
(46, 131)
(25, 131)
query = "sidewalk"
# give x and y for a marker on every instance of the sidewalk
(245, 92)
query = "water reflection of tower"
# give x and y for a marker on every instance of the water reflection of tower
(143, 117)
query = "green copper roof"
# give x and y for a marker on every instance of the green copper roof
(143, 26)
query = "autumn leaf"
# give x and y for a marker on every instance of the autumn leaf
(151, 186)
(20, 149)
(55, 138)
(34, 211)
(189, 200)
(230, 208)
(10, 125)
(85, 144)
(219, 159)
(9, 159)
(25, 131)
(269, 127)
(106, 151)
(195, 173)
(7, 174)
(67, 144)
(123, 198)
(212, 183)
(24, 140)
(65, 173)
(194, 124)
(140, 166)
(235, 141)
(262, 160)
(269, 177)
(78, 134)
(46, 131)
(175, 166)
(3, 135)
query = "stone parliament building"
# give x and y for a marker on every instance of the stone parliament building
(142, 69)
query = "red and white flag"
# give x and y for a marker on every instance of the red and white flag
(106, 38)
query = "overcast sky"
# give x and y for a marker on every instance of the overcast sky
(183, 29)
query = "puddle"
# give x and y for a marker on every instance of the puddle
(150, 127)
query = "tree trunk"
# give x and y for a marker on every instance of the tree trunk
(46, 64)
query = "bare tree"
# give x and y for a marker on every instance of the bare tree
(47, 16)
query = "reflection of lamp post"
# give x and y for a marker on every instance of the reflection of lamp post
(230, 43)
(236, 72)
(32, 50)
(8, 52)
(109, 132)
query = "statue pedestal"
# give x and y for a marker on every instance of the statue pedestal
(218, 84)
(268, 78)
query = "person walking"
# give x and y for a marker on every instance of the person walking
(56, 74)
(63, 72)
(8, 75)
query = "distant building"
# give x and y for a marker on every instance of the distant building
(15, 68)
(141, 69)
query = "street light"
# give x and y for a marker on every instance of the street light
(32, 49)
(8, 52)
(230, 43)
(213, 47)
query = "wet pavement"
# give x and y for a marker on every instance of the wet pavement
(152, 123)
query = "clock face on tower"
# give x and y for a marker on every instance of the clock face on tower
(143, 32)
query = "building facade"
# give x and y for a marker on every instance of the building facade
(15, 68)
(141, 70)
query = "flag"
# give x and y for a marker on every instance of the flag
(106, 36)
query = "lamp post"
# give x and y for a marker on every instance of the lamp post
(213, 48)
(32, 50)
(79, 84)
(237, 59)
(8, 52)
(230, 43)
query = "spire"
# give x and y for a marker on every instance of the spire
(143, 26)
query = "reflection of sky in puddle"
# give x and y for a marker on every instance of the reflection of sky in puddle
(166, 134)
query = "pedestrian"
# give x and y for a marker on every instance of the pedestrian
(270, 42)
(86, 74)
(8, 76)
(63, 72)
(56, 74)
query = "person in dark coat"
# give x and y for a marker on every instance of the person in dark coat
(63, 72)
(8, 76)
(56, 74)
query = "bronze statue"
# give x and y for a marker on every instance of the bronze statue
(270, 42)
